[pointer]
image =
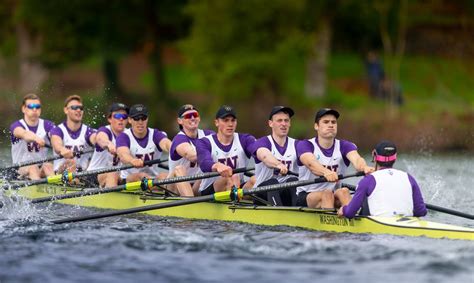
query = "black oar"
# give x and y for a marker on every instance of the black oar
(33, 162)
(430, 206)
(145, 184)
(235, 194)
(69, 176)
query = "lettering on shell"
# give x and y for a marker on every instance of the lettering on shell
(335, 220)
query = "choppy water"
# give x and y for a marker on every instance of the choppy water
(139, 248)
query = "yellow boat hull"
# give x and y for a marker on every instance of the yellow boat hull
(313, 219)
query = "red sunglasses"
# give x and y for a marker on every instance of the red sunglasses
(190, 115)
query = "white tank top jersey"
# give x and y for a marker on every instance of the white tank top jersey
(76, 145)
(289, 158)
(103, 159)
(149, 152)
(334, 163)
(25, 151)
(235, 158)
(192, 168)
(392, 195)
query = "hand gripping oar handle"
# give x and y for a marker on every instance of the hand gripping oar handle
(221, 196)
(431, 206)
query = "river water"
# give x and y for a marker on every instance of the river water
(138, 248)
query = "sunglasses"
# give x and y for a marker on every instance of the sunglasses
(140, 118)
(76, 107)
(119, 116)
(190, 115)
(33, 106)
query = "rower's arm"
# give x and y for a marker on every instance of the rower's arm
(165, 144)
(103, 141)
(59, 148)
(265, 156)
(126, 157)
(359, 163)
(28, 136)
(187, 151)
(309, 160)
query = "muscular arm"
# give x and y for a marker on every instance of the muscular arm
(359, 163)
(309, 160)
(165, 144)
(187, 151)
(58, 147)
(126, 157)
(264, 155)
(28, 136)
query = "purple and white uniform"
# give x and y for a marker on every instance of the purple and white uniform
(389, 192)
(235, 155)
(101, 158)
(175, 159)
(24, 151)
(285, 154)
(76, 141)
(146, 148)
(334, 158)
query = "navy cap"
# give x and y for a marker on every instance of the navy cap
(185, 108)
(117, 107)
(137, 110)
(225, 111)
(283, 109)
(325, 111)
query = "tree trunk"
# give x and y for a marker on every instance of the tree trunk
(113, 89)
(315, 85)
(32, 73)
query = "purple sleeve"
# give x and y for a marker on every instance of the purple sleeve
(365, 187)
(56, 131)
(302, 147)
(48, 125)
(157, 137)
(122, 140)
(205, 161)
(13, 126)
(346, 147)
(89, 133)
(247, 141)
(261, 142)
(209, 132)
(178, 139)
(419, 207)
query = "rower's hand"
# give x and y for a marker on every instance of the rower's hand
(112, 149)
(282, 169)
(331, 176)
(137, 163)
(223, 170)
(368, 170)
(40, 142)
(66, 153)
(340, 212)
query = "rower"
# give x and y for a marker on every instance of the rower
(326, 156)
(71, 137)
(105, 153)
(388, 191)
(141, 143)
(29, 138)
(275, 155)
(183, 156)
(223, 152)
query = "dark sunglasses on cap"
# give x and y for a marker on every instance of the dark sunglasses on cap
(33, 106)
(76, 107)
(140, 118)
(190, 115)
(119, 116)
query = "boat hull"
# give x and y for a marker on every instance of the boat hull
(307, 218)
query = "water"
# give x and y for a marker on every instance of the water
(137, 248)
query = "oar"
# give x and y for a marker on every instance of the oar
(33, 162)
(235, 194)
(69, 176)
(430, 206)
(145, 184)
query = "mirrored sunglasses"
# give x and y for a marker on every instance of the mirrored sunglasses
(140, 118)
(190, 115)
(33, 106)
(76, 107)
(119, 116)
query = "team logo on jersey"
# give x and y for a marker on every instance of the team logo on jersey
(318, 157)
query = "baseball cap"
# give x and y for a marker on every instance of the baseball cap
(137, 110)
(385, 151)
(225, 111)
(117, 107)
(185, 108)
(325, 111)
(283, 109)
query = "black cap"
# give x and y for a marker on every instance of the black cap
(385, 148)
(185, 108)
(117, 107)
(137, 110)
(225, 111)
(283, 109)
(325, 111)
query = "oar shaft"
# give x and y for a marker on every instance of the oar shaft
(196, 177)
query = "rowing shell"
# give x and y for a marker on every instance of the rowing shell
(301, 217)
